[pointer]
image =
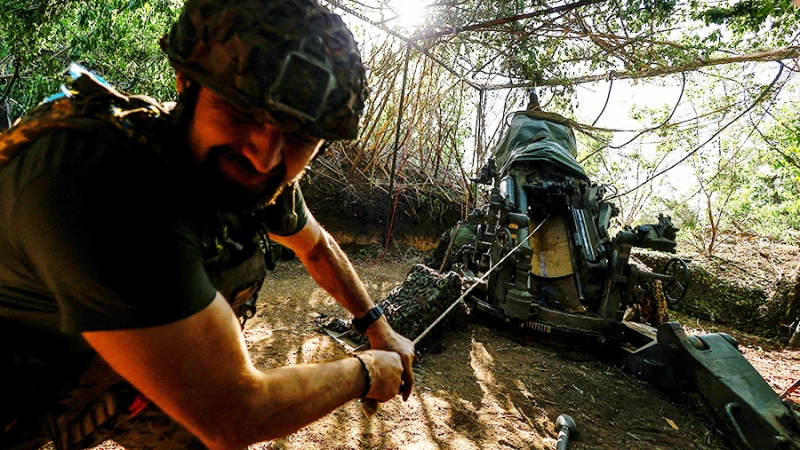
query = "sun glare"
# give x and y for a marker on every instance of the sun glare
(410, 12)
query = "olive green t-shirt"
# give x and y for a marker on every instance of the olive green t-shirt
(94, 236)
(98, 235)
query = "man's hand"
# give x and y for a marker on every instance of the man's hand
(383, 337)
(331, 269)
(385, 373)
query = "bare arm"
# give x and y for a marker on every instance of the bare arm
(332, 270)
(199, 372)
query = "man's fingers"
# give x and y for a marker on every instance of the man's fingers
(408, 380)
(403, 348)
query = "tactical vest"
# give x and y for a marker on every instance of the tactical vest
(233, 250)
(89, 107)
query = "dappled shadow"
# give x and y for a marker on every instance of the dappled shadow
(465, 378)
(480, 390)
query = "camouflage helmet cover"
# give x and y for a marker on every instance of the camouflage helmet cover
(293, 59)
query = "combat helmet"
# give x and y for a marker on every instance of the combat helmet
(292, 59)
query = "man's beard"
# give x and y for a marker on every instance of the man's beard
(226, 195)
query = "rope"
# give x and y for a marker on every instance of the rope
(479, 281)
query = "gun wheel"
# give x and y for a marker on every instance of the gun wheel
(675, 288)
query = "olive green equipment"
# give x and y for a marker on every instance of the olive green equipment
(572, 281)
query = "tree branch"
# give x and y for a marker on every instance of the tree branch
(762, 56)
(516, 18)
(411, 42)
(713, 136)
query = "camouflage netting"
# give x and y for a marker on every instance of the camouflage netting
(724, 293)
(420, 300)
(414, 305)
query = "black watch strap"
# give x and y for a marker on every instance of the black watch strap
(361, 325)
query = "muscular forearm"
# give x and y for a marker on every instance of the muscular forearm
(198, 371)
(281, 401)
(329, 266)
(332, 270)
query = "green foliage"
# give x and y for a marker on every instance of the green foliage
(767, 201)
(742, 179)
(745, 179)
(746, 15)
(757, 22)
(118, 39)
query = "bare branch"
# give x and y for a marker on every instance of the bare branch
(516, 18)
(762, 56)
(411, 42)
(714, 135)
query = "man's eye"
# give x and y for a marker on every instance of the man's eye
(241, 116)
(303, 139)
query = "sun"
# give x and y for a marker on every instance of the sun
(410, 12)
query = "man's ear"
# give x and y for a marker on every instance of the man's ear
(182, 82)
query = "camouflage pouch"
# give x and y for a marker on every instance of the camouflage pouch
(90, 413)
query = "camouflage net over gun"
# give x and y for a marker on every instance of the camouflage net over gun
(414, 305)
(424, 295)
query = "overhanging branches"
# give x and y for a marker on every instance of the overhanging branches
(781, 54)
(410, 42)
(757, 101)
(776, 55)
(509, 19)
(466, 74)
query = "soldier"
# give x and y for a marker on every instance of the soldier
(126, 240)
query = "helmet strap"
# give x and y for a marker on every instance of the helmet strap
(187, 100)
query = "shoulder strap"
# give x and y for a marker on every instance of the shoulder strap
(91, 106)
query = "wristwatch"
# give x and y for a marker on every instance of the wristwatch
(361, 325)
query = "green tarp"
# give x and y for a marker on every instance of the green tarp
(539, 136)
(467, 234)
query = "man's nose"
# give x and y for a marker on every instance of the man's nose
(263, 147)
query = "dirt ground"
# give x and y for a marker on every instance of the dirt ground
(478, 389)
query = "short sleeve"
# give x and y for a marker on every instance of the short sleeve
(107, 236)
(288, 214)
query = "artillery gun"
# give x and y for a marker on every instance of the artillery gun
(565, 274)
(539, 259)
